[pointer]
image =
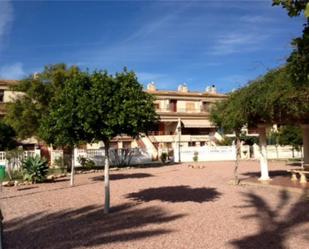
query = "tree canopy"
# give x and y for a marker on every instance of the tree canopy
(298, 61)
(27, 112)
(290, 135)
(97, 107)
(7, 137)
(270, 99)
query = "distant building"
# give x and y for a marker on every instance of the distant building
(6, 95)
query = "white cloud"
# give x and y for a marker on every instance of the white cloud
(256, 19)
(237, 42)
(14, 71)
(6, 18)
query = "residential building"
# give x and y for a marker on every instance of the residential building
(184, 119)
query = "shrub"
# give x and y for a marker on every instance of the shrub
(195, 157)
(163, 157)
(35, 169)
(86, 162)
(60, 166)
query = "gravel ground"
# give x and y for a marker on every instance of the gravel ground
(163, 207)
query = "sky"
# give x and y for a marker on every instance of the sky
(224, 43)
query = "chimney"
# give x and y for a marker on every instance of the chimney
(151, 87)
(213, 89)
(183, 88)
(36, 75)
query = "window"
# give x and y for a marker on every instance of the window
(157, 106)
(190, 106)
(205, 107)
(1, 95)
(173, 105)
(202, 143)
(192, 144)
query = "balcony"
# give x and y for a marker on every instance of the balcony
(182, 110)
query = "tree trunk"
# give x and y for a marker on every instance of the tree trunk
(106, 178)
(72, 169)
(305, 129)
(263, 153)
(236, 178)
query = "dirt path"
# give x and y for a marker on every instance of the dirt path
(164, 207)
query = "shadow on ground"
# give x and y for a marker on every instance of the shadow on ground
(272, 173)
(274, 228)
(121, 176)
(176, 194)
(85, 227)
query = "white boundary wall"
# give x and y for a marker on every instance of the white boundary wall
(207, 153)
(278, 152)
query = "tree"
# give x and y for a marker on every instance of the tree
(65, 124)
(27, 112)
(229, 116)
(270, 99)
(118, 105)
(291, 135)
(295, 7)
(298, 61)
(7, 137)
(98, 107)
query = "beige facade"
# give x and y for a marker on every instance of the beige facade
(6, 95)
(184, 118)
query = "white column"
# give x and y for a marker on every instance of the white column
(305, 129)
(263, 153)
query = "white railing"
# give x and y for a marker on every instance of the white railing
(25, 154)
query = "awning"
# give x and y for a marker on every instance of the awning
(197, 124)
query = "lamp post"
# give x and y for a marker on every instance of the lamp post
(179, 137)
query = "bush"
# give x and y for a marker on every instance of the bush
(195, 157)
(163, 157)
(86, 162)
(60, 166)
(35, 169)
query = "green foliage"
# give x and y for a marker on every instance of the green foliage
(298, 62)
(195, 156)
(98, 107)
(163, 157)
(65, 124)
(227, 141)
(248, 140)
(59, 162)
(275, 99)
(228, 114)
(291, 135)
(295, 7)
(118, 105)
(27, 112)
(34, 169)
(7, 137)
(86, 162)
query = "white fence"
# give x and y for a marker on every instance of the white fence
(207, 153)
(17, 161)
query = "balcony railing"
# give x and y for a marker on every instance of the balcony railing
(183, 110)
